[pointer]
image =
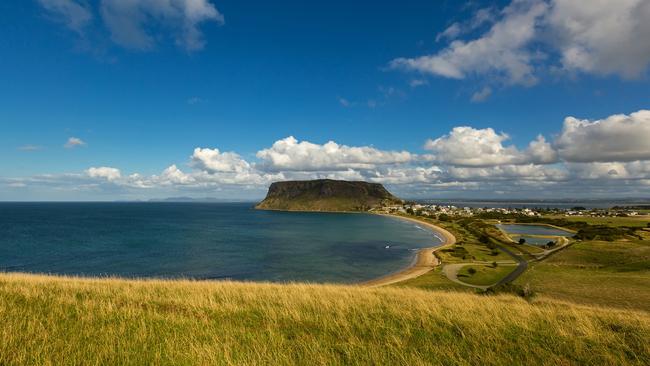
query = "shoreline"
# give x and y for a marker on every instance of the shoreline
(424, 261)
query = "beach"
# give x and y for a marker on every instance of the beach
(424, 261)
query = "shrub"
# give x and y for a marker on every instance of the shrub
(444, 217)
(495, 264)
(484, 239)
(522, 241)
(524, 291)
(494, 252)
(471, 270)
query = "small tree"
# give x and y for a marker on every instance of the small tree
(494, 264)
(471, 270)
(522, 241)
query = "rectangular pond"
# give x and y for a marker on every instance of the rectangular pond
(524, 229)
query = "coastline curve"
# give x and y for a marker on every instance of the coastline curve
(424, 261)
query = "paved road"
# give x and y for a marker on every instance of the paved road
(522, 265)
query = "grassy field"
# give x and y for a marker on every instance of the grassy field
(633, 221)
(434, 280)
(63, 321)
(485, 274)
(596, 273)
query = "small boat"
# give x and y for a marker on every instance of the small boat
(387, 246)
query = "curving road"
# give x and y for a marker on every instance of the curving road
(522, 265)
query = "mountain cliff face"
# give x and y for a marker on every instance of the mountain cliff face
(326, 195)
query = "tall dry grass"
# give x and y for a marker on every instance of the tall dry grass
(57, 321)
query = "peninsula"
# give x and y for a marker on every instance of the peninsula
(327, 195)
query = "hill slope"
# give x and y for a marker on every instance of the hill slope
(56, 320)
(326, 195)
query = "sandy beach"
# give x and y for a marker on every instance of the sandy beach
(424, 261)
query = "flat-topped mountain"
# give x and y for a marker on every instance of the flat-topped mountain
(326, 195)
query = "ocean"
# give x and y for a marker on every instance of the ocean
(204, 241)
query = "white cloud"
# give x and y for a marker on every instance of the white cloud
(71, 13)
(616, 138)
(104, 172)
(500, 53)
(467, 146)
(602, 37)
(291, 154)
(128, 21)
(74, 142)
(603, 157)
(212, 160)
(344, 102)
(30, 148)
(450, 33)
(414, 83)
(482, 95)
(173, 175)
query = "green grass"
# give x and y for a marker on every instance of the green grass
(66, 321)
(434, 280)
(485, 274)
(633, 221)
(615, 274)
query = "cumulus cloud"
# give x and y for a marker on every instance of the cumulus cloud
(467, 146)
(291, 154)
(609, 156)
(74, 142)
(104, 172)
(74, 15)
(618, 137)
(212, 160)
(602, 38)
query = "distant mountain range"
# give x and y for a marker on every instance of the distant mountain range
(202, 199)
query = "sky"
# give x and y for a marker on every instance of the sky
(126, 99)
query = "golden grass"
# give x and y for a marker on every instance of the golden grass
(57, 321)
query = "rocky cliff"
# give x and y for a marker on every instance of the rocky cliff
(326, 195)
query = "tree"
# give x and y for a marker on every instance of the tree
(471, 270)
(444, 217)
(409, 211)
(522, 241)
(484, 239)
(494, 264)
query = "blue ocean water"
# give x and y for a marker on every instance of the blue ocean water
(204, 241)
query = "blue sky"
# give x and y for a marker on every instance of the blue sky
(141, 85)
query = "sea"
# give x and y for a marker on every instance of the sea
(204, 241)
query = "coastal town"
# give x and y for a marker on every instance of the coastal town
(442, 210)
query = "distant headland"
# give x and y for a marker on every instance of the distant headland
(327, 195)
